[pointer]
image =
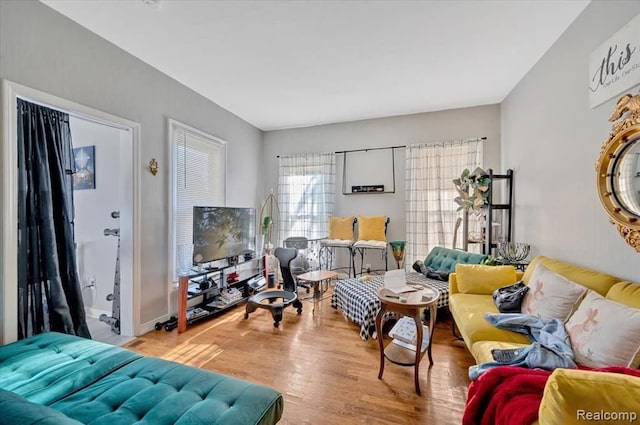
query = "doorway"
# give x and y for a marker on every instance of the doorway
(99, 197)
(115, 144)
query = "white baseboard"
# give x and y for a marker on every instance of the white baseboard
(151, 325)
(141, 330)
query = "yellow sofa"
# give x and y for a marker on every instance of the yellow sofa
(470, 298)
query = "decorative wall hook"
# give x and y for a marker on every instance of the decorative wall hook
(153, 166)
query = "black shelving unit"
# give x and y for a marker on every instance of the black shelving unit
(217, 283)
(490, 211)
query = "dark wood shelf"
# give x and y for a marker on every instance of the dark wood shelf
(488, 243)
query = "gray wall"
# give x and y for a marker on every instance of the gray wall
(481, 121)
(552, 139)
(45, 50)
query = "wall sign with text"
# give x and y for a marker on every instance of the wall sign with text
(614, 67)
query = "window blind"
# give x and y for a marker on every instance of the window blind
(200, 162)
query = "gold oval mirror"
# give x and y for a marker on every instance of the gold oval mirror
(618, 170)
(625, 178)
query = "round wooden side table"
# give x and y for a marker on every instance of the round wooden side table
(319, 279)
(412, 306)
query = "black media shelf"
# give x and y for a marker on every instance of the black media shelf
(218, 283)
(193, 295)
(214, 311)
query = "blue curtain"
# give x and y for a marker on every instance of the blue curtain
(49, 294)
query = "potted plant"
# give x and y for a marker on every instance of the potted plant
(267, 222)
(473, 190)
(269, 216)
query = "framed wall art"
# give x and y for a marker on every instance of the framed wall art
(85, 175)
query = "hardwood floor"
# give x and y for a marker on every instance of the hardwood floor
(325, 372)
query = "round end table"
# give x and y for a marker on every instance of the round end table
(407, 304)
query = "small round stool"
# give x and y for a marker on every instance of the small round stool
(267, 300)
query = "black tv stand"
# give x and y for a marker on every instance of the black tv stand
(218, 295)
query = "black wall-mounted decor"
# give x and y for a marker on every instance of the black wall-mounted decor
(361, 167)
(367, 188)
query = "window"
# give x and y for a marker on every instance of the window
(198, 174)
(306, 191)
(430, 208)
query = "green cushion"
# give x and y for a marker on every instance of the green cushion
(97, 383)
(163, 392)
(49, 366)
(445, 259)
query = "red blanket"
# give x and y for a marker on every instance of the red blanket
(511, 395)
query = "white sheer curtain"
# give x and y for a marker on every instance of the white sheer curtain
(430, 209)
(306, 192)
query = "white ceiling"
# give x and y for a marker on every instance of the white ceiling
(282, 64)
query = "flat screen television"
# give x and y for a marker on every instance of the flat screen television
(223, 232)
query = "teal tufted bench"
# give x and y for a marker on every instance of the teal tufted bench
(445, 259)
(57, 378)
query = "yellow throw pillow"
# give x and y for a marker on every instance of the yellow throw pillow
(480, 279)
(573, 397)
(371, 228)
(341, 228)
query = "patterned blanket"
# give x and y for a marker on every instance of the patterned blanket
(359, 302)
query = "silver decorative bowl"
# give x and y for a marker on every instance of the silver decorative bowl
(513, 251)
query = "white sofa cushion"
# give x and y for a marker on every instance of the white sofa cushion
(605, 333)
(550, 295)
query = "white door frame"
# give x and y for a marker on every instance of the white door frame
(130, 302)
